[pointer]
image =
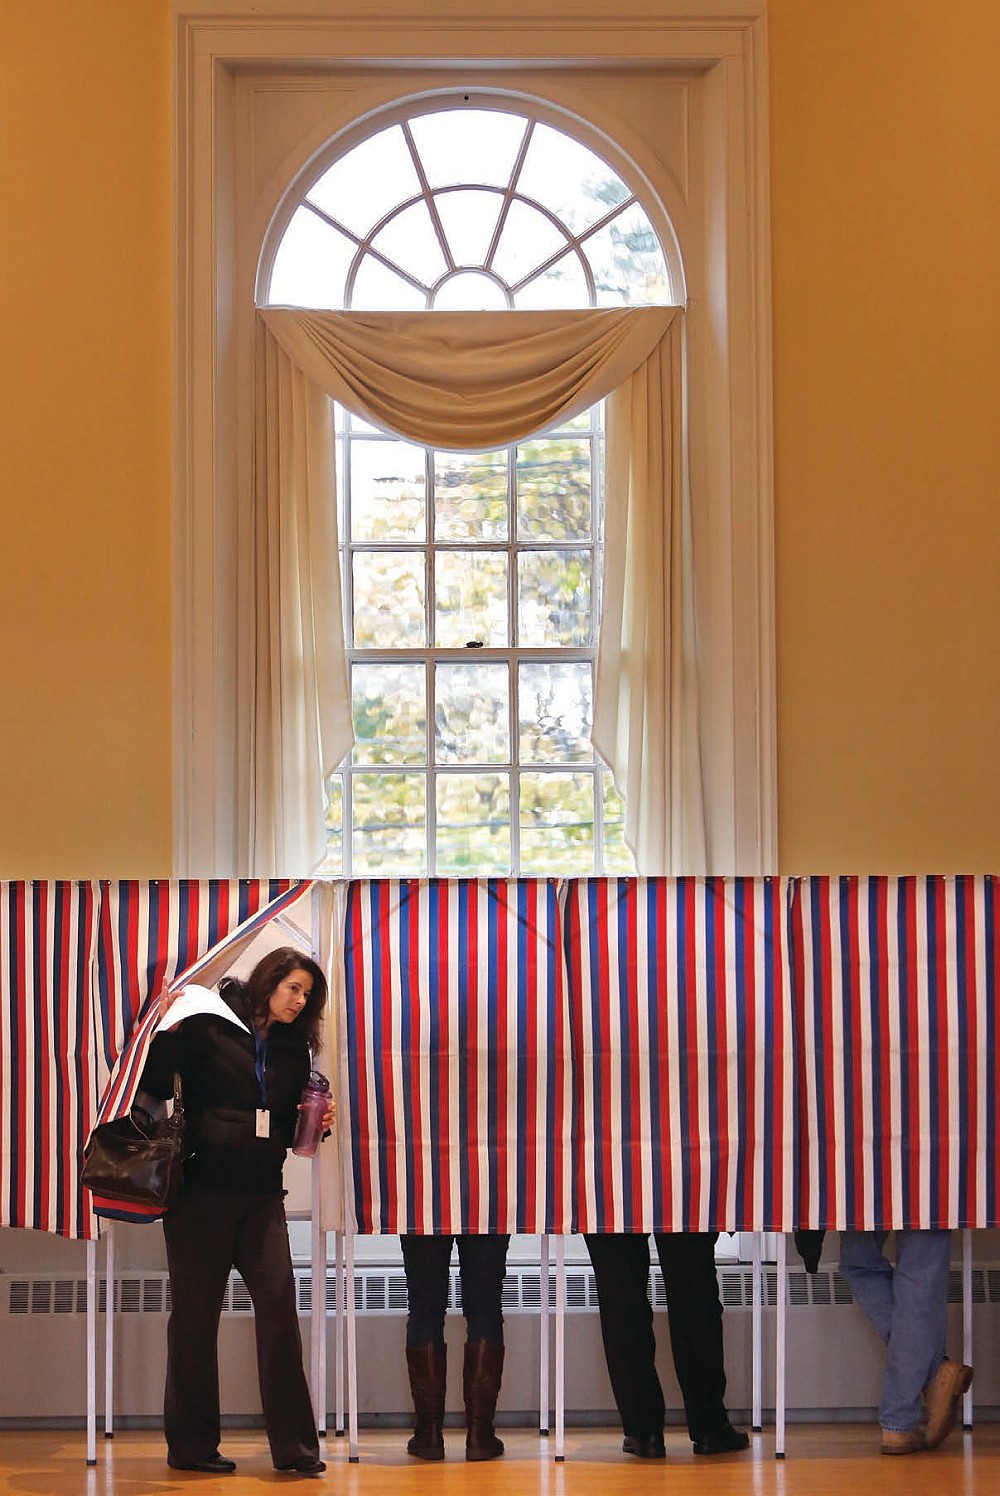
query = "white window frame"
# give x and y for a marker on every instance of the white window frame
(729, 351)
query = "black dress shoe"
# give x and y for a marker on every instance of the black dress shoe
(216, 1464)
(308, 1464)
(644, 1446)
(724, 1440)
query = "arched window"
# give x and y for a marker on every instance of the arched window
(471, 580)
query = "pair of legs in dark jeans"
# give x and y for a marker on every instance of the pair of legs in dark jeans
(482, 1262)
(694, 1316)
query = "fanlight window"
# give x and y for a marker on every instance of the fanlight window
(471, 580)
(468, 209)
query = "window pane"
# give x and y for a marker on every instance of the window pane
(586, 419)
(563, 285)
(554, 705)
(627, 262)
(339, 469)
(471, 145)
(553, 604)
(473, 824)
(390, 824)
(557, 823)
(470, 495)
(471, 598)
(469, 219)
(568, 178)
(470, 291)
(388, 491)
(388, 599)
(471, 714)
(409, 240)
(356, 424)
(332, 865)
(528, 239)
(378, 289)
(618, 860)
(311, 264)
(362, 186)
(390, 714)
(553, 489)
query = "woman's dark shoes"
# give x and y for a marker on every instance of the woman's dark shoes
(216, 1464)
(644, 1446)
(308, 1464)
(724, 1440)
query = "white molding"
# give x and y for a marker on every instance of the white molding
(212, 43)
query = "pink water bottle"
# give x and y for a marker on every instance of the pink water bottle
(309, 1128)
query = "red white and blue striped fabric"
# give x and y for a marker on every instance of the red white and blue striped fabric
(156, 935)
(636, 1075)
(454, 1056)
(898, 1057)
(78, 964)
(48, 935)
(680, 1017)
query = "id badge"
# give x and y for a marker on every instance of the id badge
(263, 1123)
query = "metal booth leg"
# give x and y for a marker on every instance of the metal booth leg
(109, 1330)
(560, 1453)
(352, 1357)
(967, 1320)
(544, 1372)
(781, 1317)
(756, 1419)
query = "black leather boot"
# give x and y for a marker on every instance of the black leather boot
(428, 1367)
(481, 1385)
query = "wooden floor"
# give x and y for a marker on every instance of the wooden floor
(822, 1460)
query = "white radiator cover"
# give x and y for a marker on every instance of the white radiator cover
(833, 1357)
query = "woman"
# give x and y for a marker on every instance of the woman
(482, 1262)
(243, 1064)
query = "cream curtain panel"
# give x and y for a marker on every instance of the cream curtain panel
(646, 719)
(467, 380)
(293, 690)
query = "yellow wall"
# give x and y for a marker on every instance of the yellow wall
(886, 228)
(886, 242)
(84, 433)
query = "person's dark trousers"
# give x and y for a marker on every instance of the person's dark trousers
(482, 1262)
(207, 1233)
(694, 1315)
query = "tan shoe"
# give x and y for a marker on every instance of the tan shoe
(942, 1396)
(903, 1441)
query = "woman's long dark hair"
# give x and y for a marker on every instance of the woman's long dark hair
(264, 980)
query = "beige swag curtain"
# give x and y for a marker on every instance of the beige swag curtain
(469, 380)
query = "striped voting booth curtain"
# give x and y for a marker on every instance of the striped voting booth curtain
(48, 937)
(156, 935)
(681, 1024)
(605, 1054)
(164, 935)
(455, 1057)
(79, 962)
(897, 1051)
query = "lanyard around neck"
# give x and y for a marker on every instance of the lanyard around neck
(260, 1064)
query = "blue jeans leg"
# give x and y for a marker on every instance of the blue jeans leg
(908, 1305)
